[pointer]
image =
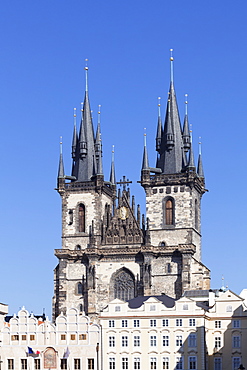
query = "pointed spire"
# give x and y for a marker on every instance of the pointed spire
(86, 74)
(145, 165)
(171, 61)
(61, 166)
(75, 137)
(168, 129)
(112, 174)
(159, 128)
(98, 146)
(200, 171)
(186, 133)
(191, 162)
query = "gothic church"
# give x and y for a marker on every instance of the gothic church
(108, 249)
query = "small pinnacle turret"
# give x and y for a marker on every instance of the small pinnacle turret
(112, 174)
(159, 129)
(61, 165)
(200, 171)
(145, 165)
(186, 133)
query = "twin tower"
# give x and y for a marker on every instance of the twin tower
(108, 249)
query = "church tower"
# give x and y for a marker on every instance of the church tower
(109, 250)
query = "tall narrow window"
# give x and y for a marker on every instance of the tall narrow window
(169, 212)
(196, 215)
(81, 218)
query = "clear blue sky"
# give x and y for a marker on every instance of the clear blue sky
(43, 48)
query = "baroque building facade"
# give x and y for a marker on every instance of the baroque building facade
(108, 249)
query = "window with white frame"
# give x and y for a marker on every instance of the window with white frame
(152, 307)
(236, 361)
(111, 341)
(165, 340)
(185, 307)
(77, 364)
(236, 323)
(125, 363)
(192, 340)
(153, 363)
(10, 364)
(136, 323)
(236, 341)
(23, 364)
(124, 341)
(152, 322)
(217, 342)
(179, 340)
(165, 322)
(137, 363)
(179, 362)
(165, 363)
(112, 364)
(192, 322)
(179, 322)
(192, 362)
(37, 365)
(153, 341)
(217, 363)
(136, 341)
(124, 323)
(217, 324)
(111, 323)
(229, 308)
(117, 309)
(63, 364)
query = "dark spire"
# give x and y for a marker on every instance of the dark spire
(85, 166)
(159, 129)
(75, 137)
(98, 147)
(61, 166)
(200, 171)
(186, 133)
(145, 165)
(191, 161)
(171, 151)
(112, 174)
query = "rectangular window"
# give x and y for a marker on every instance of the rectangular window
(165, 340)
(152, 307)
(179, 363)
(153, 341)
(111, 324)
(192, 362)
(124, 341)
(125, 363)
(192, 322)
(236, 323)
(192, 340)
(153, 363)
(24, 364)
(23, 337)
(90, 363)
(165, 363)
(136, 341)
(37, 363)
(179, 340)
(112, 364)
(179, 322)
(77, 364)
(236, 361)
(124, 323)
(137, 363)
(217, 324)
(32, 337)
(63, 364)
(63, 336)
(217, 342)
(117, 309)
(10, 364)
(82, 336)
(15, 337)
(152, 323)
(111, 341)
(165, 322)
(72, 336)
(236, 341)
(217, 363)
(136, 323)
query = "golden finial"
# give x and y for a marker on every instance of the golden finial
(74, 112)
(159, 101)
(61, 140)
(86, 66)
(171, 57)
(112, 148)
(99, 106)
(186, 104)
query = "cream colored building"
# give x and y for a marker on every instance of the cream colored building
(72, 342)
(201, 330)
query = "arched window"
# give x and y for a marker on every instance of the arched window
(81, 215)
(124, 286)
(196, 214)
(168, 211)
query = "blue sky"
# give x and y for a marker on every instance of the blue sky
(43, 48)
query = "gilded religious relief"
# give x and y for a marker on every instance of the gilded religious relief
(50, 359)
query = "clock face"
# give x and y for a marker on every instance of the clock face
(123, 213)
